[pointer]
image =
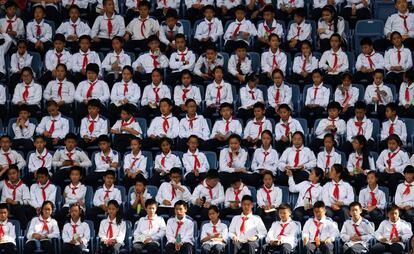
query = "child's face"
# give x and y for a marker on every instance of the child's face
(335, 42)
(91, 75)
(247, 206)
(3, 212)
(171, 22)
(355, 212)
(180, 211)
(21, 48)
(241, 53)
(319, 212)
(75, 212)
(274, 42)
(284, 114)
(112, 211)
(378, 77)
(333, 113)
(266, 140)
(116, 45)
(165, 108)
(27, 77)
(211, 54)
(74, 14)
(38, 14)
(42, 179)
(180, 42)
(154, 45)
(306, 50)
(267, 180)
(186, 80)
(394, 215)
(284, 214)
(268, 15)
(409, 178)
(212, 182)
(218, 74)
(53, 110)
(252, 84)
(5, 144)
(13, 175)
(93, 111)
(258, 112)
(39, 144)
(213, 215)
(356, 145)
(396, 40)
(151, 210)
(143, 11)
(317, 78)
(298, 19)
(84, 45)
(226, 112)
(47, 211)
(326, 16)
(135, 145)
(367, 49)
(70, 144)
(234, 144)
(346, 82)
(109, 7)
(125, 115)
(192, 144)
(333, 174)
(60, 73)
(175, 178)
(208, 14)
(236, 185)
(328, 143)
(240, 15)
(389, 113)
(109, 180)
(371, 179)
(59, 45)
(165, 147)
(312, 176)
(11, 11)
(23, 114)
(104, 146)
(359, 113)
(139, 187)
(277, 78)
(156, 77)
(297, 140)
(401, 5)
(126, 75)
(75, 176)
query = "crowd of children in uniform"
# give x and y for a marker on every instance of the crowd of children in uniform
(76, 155)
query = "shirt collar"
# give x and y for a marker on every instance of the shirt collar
(77, 22)
(105, 16)
(110, 189)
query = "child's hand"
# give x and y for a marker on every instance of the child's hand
(37, 236)
(96, 39)
(166, 202)
(321, 30)
(55, 141)
(245, 35)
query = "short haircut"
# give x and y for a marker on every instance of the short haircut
(179, 36)
(75, 168)
(85, 37)
(141, 179)
(267, 172)
(259, 105)
(212, 174)
(235, 136)
(285, 106)
(409, 169)
(226, 105)
(42, 171)
(268, 8)
(334, 104)
(355, 203)
(347, 75)
(39, 137)
(372, 172)
(4, 206)
(9, 4)
(150, 201)
(186, 72)
(181, 203)
(41, 7)
(93, 67)
(13, 167)
(103, 138)
(176, 171)
(188, 101)
(59, 37)
(171, 13)
(118, 38)
(27, 69)
(72, 136)
(317, 71)
(144, 4)
(393, 207)
(94, 103)
(380, 71)
(278, 71)
(319, 204)
(247, 198)
(167, 100)
(24, 107)
(360, 105)
(208, 7)
(152, 38)
(366, 41)
(165, 139)
(214, 208)
(51, 103)
(392, 106)
(109, 173)
(128, 68)
(300, 12)
(329, 135)
(284, 206)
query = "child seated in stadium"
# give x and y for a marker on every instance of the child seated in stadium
(298, 159)
(392, 234)
(91, 88)
(241, 29)
(39, 158)
(125, 128)
(377, 95)
(404, 195)
(317, 98)
(233, 197)
(360, 162)
(104, 159)
(134, 163)
(81, 59)
(299, 30)
(272, 59)
(108, 25)
(153, 94)
(8, 245)
(43, 229)
(18, 61)
(39, 32)
(11, 23)
(346, 95)
(392, 125)
(165, 125)
(8, 156)
(102, 197)
(310, 191)
(115, 61)
(182, 59)
(164, 162)
(337, 195)
(208, 31)
(279, 93)
(75, 233)
(329, 24)
(240, 64)
(303, 65)
(192, 125)
(319, 232)
(217, 93)
(137, 207)
(249, 95)
(171, 192)
(124, 92)
(169, 29)
(334, 62)
(254, 128)
(367, 62)
(232, 160)
(406, 95)
(195, 163)
(65, 158)
(282, 235)
(53, 127)
(373, 200)
(268, 27)
(185, 91)
(246, 229)
(43, 190)
(54, 57)
(398, 59)
(225, 126)
(203, 69)
(28, 93)
(285, 128)
(16, 195)
(112, 230)
(269, 199)
(356, 232)
(328, 156)
(265, 158)
(214, 234)
(23, 130)
(208, 193)
(93, 125)
(149, 230)
(180, 231)
(61, 90)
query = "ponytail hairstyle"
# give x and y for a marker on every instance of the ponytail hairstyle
(364, 150)
(331, 9)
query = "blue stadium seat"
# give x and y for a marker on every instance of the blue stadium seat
(19, 235)
(255, 58)
(296, 99)
(285, 194)
(263, 88)
(383, 9)
(89, 197)
(351, 61)
(91, 243)
(361, 89)
(36, 64)
(226, 58)
(367, 28)
(187, 29)
(143, 124)
(212, 159)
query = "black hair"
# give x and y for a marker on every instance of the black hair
(72, 136)
(329, 135)
(4, 206)
(103, 138)
(396, 138)
(409, 169)
(259, 105)
(141, 179)
(181, 203)
(63, 66)
(409, 76)
(392, 106)
(39, 137)
(144, 3)
(42, 171)
(306, 42)
(360, 105)
(372, 172)
(235, 136)
(118, 38)
(6, 136)
(85, 37)
(317, 71)
(268, 132)
(157, 70)
(152, 38)
(214, 208)
(284, 206)
(240, 7)
(393, 207)
(366, 41)
(339, 169)
(51, 103)
(75, 168)
(319, 204)
(45, 203)
(365, 150)
(171, 13)
(150, 201)
(274, 35)
(128, 108)
(179, 36)
(129, 68)
(267, 172)
(93, 67)
(378, 71)
(319, 173)
(247, 198)
(300, 12)
(226, 105)
(165, 139)
(24, 107)
(331, 9)
(94, 103)
(278, 71)
(167, 100)
(212, 174)
(81, 212)
(175, 170)
(285, 106)
(59, 37)
(118, 213)
(188, 101)
(207, 7)
(27, 69)
(334, 104)
(39, 7)
(218, 67)
(109, 172)
(13, 167)
(300, 134)
(235, 179)
(193, 136)
(74, 6)
(394, 33)
(347, 75)
(9, 4)
(186, 72)
(268, 8)
(355, 203)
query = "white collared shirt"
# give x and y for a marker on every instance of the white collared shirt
(81, 229)
(254, 128)
(311, 64)
(400, 22)
(77, 28)
(365, 231)
(3, 51)
(53, 58)
(141, 29)
(301, 32)
(67, 92)
(344, 99)
(385, 228)
(149, 94)
(250, 96)
(167, 34)
(102, 195)
(131, 123)
(77, 155)
(178, 59)
(38, 160)
(122, 59)
(399, 127)
(321, 129)
(219, 127)
(321, 98)
(215, 197)
(287, 128)
(154, 228)
(74, 194)
(77, 60)
(328, 60)
(165, 192)
(15, 157)
(404, 197)
(328, 229)
(353, 129)
(228, 3)
(133, 196)
(346, 193)
(181, 94)
(275, 196)
(32, 31)
(173, 4)
(18, 62)
(230, 195)
(24, 133)
(60, 124)
(307, 191)
(100, 126)
(253, 226)
(245, 26)
(265, 159)
(322, 159)
(83, 4)
(22, 194)
(9, 232)
(204, 66)
(100, 91)
(189, 162)
(245, 65)
(273, 60)
(371, 92)
(147, 61)
(135, 163)
(118, 230)
(406, 94)
(37, 226)
(16, 24)
(159, 128)
(290, 232)
(186, 231)
(125, 90)
(306, 158)
(226, 94)
(211, 229)
(34, 96)
(229, 163)
(405, 60)
(377, 61)
(165, 162)
(103, 162)
(285, 95)
(329, 28)
(205, 31)
(354, 158)
(36, 194)
(100, 27)
(365, 197)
